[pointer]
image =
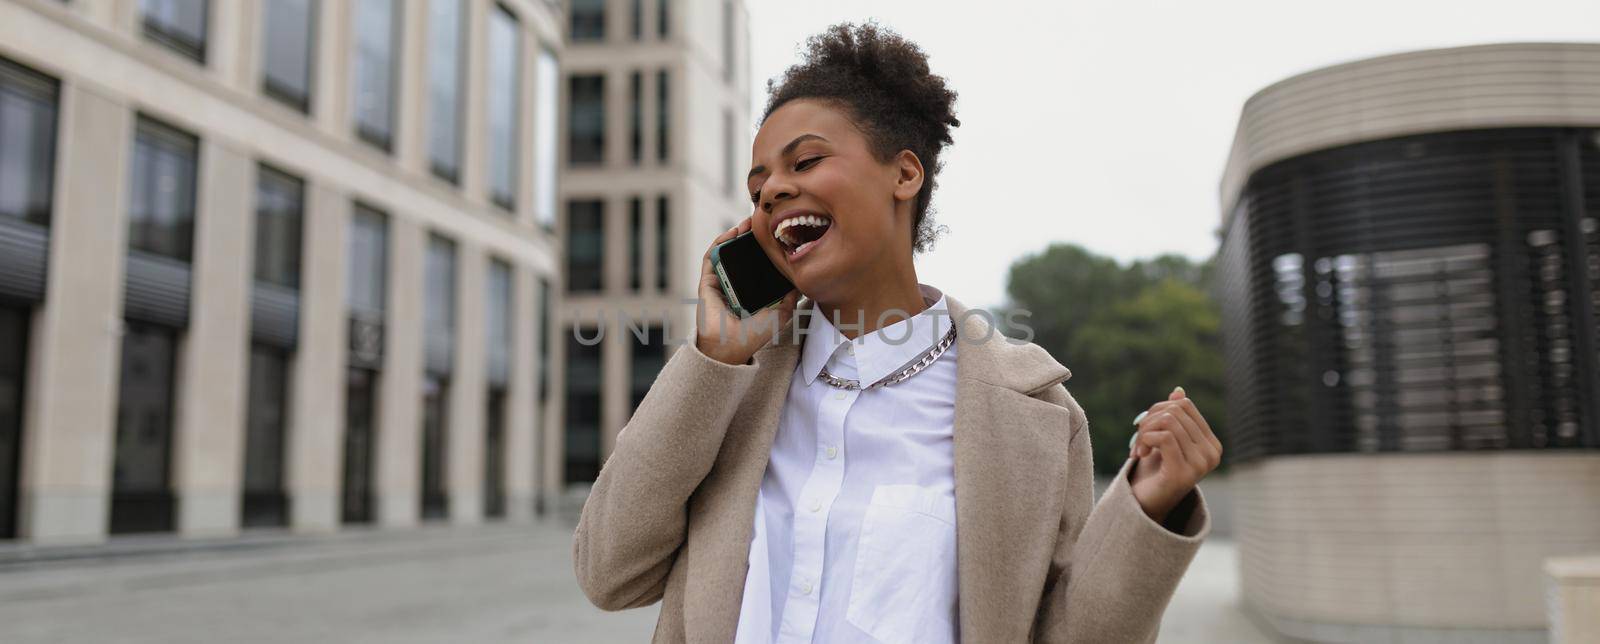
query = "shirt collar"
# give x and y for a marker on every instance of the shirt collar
(876, 354)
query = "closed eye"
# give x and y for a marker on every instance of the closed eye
(755, 197)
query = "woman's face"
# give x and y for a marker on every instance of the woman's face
(828, 212)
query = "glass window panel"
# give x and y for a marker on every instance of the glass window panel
(663, 116)
(264, 436)
(546, 144)
(445, 76)
(663, 244)
(583, 407)
(287, 47)
(585, 244)
(499, 296)
(588, 20)
(635, 243)
(27, 143)
(280, 202)
(141, 495)
(435, 440)
(361, 392)
(505, 87)
(439, 318)
(663, 18)
(13, 373)
(649, 357)
(635, 117)
(161, 204)
(369, 244)
(376, 26)
(178, 24)
(587, 114)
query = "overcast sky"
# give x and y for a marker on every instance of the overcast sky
(1107, 123)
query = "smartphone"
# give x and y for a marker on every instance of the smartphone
(750, 282)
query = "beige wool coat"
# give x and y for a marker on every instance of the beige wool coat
(670, 517)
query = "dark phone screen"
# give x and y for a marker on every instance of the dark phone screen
(755, 281)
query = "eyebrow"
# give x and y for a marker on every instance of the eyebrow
(786, 150)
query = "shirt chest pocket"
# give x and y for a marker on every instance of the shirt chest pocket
(903, 586)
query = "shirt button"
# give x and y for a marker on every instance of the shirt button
(805, 588)
(816, 505)
(832, 451)
(850, 349)
(839, 396)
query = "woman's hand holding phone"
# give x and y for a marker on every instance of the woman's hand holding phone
(720, 333)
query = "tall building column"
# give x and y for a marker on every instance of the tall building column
(474, 118)
(315, 455)
(411, 95)
(522, 396)
(208, 438)
(399, 453)
(469, 395)
(331, 76)
(70, 425)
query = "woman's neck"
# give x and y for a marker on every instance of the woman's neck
(878, 305)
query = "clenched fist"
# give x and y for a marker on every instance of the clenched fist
(1175, 448)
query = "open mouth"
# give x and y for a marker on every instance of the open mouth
(799, 234)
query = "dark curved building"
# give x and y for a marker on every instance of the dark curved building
(1410, 272)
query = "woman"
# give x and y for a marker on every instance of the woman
(875, 463)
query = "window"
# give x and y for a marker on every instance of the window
(649, 356)
(376, 29)
(728, 45)
(663, 116)
(663, 245)
(27, 143)
(178, 24)
(13, 373)
(583, 406)
(446, 72)
(435, 440)
(439, 318)
(141, 495)
(636, 19)
(663, 19)
(635, 117)
(494, 455)
(544, 339)
(505, 89)
(585, 245)
(546, 144)
(498, 298)
(161, 208)
(279, 207)
(360, 422)
(587, 142)
(635, 244)
(588, 20)
(499, 331)
(369, 257)
(286, 57)
(265, 501)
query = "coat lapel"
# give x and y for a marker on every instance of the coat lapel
(1010, 464)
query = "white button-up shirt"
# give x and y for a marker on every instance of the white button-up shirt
(855, 524)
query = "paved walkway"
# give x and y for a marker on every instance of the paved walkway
(487, 584)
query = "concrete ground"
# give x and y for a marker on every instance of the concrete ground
(497, 583)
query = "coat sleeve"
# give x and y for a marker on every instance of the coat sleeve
(635, 516)
(1114, 568)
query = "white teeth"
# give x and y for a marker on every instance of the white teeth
(807, 220)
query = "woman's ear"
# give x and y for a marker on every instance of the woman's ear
(908, 176)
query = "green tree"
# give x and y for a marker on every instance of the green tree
(1129, 335)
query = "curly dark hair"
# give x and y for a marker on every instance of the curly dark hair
(883, 83)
